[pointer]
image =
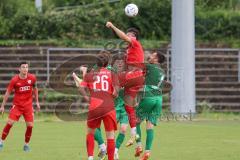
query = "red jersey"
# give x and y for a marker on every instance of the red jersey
(22, 90)
(101, 87)
(135, 52)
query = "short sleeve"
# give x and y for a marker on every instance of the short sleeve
(11, 85)
(34, 79)
(134, 42)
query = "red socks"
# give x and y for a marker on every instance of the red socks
(110, 148)
(6, 131)
(90, 144)
(28, 134)
(131, 115)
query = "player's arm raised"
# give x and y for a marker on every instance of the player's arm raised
(83, 88)
(119, 33)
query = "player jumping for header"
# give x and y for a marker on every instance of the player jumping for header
(150, 106)
(134, 78)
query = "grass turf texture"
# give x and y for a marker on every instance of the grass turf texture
(201, 139)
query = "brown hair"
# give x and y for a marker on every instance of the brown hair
(161, 57)
(135, 31)
(103, 58)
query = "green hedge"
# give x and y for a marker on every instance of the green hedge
(217, 25)
(89, 23)
(154, 21)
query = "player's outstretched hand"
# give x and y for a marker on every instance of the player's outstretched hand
(83, 69)
(167, 87)
(38, 107)
(74, 75)
(76, 79)
(109, 24)
(2, 110)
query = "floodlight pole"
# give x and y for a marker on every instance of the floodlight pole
(183, 98)
(38, 5)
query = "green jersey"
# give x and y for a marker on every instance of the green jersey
(153, 81)
(119, 101)
(150, 106)
(109, 67)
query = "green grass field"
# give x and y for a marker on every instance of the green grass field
(201, 139)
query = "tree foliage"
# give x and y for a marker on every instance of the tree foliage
(20, 20)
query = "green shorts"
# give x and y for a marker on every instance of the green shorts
(150, 109)
(122, 116)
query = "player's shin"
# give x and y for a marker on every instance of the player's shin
(110, 144)
(120, 139)
(149, 139)
(102, 147)
(90, 144)
(131, 115)
(110, 148)
(6, 131)
(28, 134)
(138, 149)
(98, 137)
(139, 134)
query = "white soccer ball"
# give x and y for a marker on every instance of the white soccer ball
(131, 10)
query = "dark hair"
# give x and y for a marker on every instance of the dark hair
(103, 58)
(24, 62)
(135, 31)
(117, 57)
(160, 56)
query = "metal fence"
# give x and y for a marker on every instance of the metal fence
(217, 70)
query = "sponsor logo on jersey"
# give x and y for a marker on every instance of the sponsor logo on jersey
(29, 81)
(25, 88)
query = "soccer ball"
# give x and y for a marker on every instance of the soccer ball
(131, 10)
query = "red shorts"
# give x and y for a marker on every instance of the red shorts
(134, 82)
(109, 121)
(16, 112)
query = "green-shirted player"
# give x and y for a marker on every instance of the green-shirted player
(150, 106)
(122, 117)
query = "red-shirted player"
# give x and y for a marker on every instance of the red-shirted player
(135, 74)
(102, 87)
(24, 86)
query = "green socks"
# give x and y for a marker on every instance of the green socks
(139, 132)
(98, 136)
(119, 140)
(149, 139)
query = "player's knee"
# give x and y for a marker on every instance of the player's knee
(91, 131)
(149, 125)
(10, 122)
(29, 124)
(110, 134)
(123, 129)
